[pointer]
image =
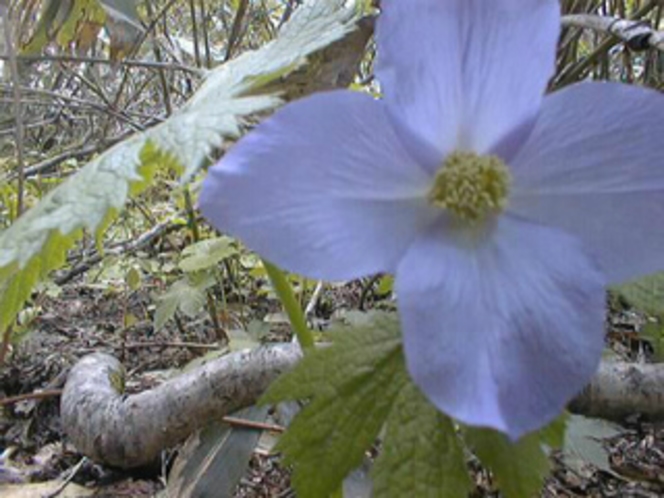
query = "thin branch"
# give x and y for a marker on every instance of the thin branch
(49, 393)
(128, 247)
(99, 60)
(18, 109)
(74, 153)
(637, 35)
(576, 71)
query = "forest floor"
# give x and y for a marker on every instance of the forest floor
(82, 319)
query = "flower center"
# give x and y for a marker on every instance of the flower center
(471, 186)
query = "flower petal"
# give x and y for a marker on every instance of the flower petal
(464, 74)
(502, 330)
(323, 188)
(593, 166)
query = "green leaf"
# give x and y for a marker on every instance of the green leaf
(38, 241)
(353, 384)
(357, 386)
(66, 22)
(646, 293)
(184, 295)
(207, 254)
(385, 285)
(133, 278)
(583, 443)
(654, 332)
(422, 455)
(519, 468)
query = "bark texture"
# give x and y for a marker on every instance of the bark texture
(131, 431)
(620, 390)
(637, 35)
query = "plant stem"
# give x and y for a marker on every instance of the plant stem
(294, 311)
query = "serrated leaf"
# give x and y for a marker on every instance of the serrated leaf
(354, 353)
(646, 293)
(353, 384)
(357, 384)
(207, 253)
(190, 299)
(37, 242)
(183, 296)
(519, 468)
(421, 454)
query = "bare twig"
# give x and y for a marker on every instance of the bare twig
(251, 424)
(18, 114)
(234, 37)
(311, 305)
(576, 71)
(124, 248)
(171, 344)
(70, 476)
(637, 35)
(5, 344)
(79, 59)
(49, 393)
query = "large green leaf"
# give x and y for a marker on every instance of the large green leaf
(519, 468)
(422, 455)
(352, 386)
(358, 385)
(646, 293)
(37, 242)
(207, 254)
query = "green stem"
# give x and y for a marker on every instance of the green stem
(294, 311)
(339, 493)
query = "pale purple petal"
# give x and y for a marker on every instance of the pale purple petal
(501, 330)
(464, 74)
(323, 188)
(594, 166)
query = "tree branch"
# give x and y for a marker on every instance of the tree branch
(130, 431)
(620, 390)
(637, 35)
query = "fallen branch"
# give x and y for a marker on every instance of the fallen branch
(130, 431)
(620, 390)
(637, 35)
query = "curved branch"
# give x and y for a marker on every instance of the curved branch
(130, 431)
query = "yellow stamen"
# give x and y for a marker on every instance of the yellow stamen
(471, 187)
